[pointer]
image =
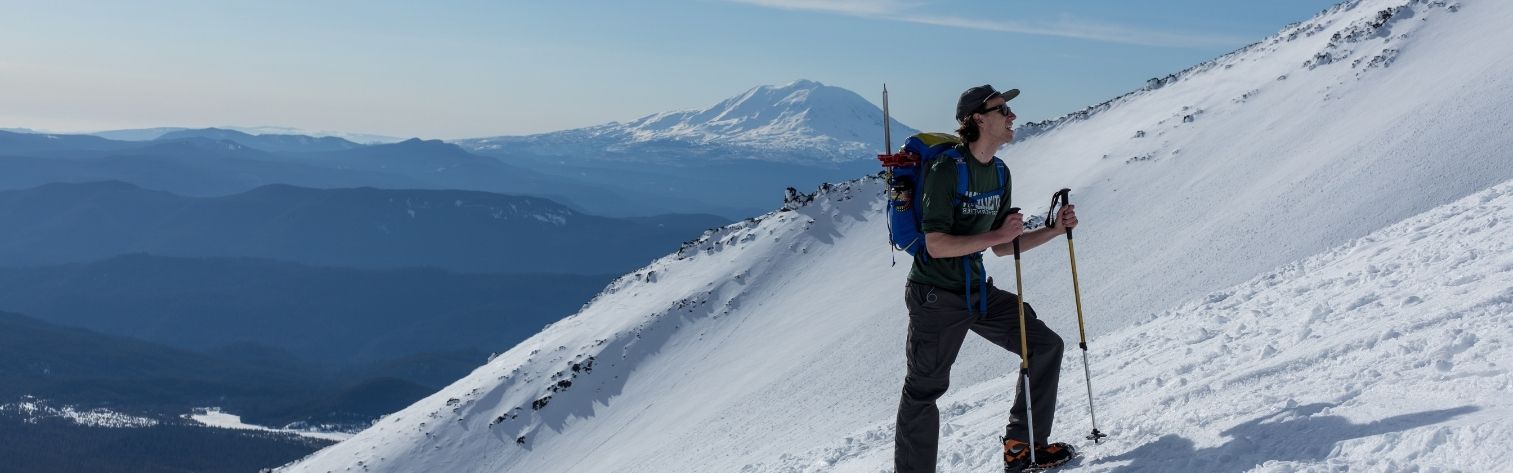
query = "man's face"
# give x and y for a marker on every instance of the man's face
(997, 121)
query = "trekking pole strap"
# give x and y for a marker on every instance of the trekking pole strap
(1058, 200)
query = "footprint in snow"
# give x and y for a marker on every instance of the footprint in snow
(1362, 302)
(1463, 280)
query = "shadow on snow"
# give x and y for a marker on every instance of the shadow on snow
(1294, 434)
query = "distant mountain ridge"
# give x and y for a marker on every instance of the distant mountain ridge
(13, 143)
(328, 316)
(733, 158)
(214, 162)
(149, 134)
(268, 142)
(361, 228)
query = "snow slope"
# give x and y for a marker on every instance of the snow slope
(1271, 170)
(1388, 353)
(775, 344)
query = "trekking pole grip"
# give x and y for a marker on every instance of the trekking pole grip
(1058, 200)
(1014, 210)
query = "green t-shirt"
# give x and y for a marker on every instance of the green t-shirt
(943, 212)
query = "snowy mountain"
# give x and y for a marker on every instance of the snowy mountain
(733, 159)
(803, 122)
(1290, 260)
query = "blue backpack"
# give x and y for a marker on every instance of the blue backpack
(906, 176)
(907, 171)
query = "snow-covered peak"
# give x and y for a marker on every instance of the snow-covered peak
(799, 108)
(803, 121)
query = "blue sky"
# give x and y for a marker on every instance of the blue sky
(455, 69)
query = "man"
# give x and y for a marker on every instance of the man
(949, 293)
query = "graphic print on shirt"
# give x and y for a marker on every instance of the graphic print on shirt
(981, 203)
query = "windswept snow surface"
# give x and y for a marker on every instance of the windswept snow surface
(776, 344)
(1281, 157)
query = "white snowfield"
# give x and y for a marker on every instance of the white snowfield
(1271, 170)
(215, 417)
(776, 344)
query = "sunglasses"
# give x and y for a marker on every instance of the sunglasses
(1001, 108)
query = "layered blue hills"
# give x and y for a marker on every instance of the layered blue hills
(361, 228)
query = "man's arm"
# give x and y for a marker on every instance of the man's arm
(945, 245)
(1029, 240)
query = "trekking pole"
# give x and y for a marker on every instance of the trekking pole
(1024, 349)
(1061, 199)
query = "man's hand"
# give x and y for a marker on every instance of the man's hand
(1013, 226)
(1067, 217)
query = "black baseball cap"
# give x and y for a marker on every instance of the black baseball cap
(972, 100)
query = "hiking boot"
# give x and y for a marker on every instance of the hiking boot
(1016, 456)
(1053, 455)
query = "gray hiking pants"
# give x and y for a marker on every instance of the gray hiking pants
(938, 323)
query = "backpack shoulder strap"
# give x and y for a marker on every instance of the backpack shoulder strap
(962, 178)
(1003, 173)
